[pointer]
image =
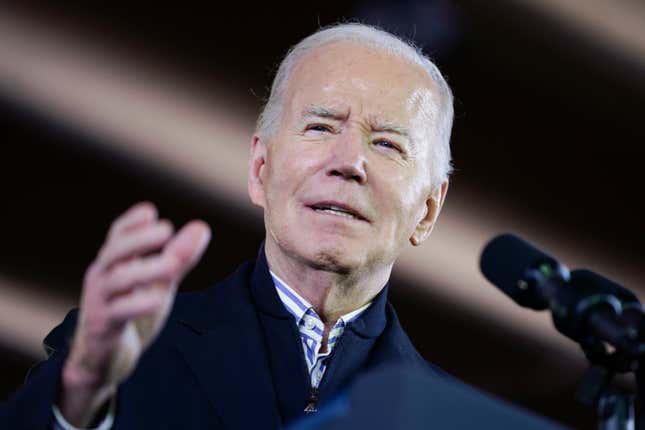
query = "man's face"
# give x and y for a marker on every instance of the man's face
(345, 181)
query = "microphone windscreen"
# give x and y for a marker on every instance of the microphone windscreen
(505, 261)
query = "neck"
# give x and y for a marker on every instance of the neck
(330, 293)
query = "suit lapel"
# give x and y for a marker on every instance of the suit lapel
(347, 360)
(286, 358)
(231, 366)
(224, 346)
(288, 367)
(355, 347)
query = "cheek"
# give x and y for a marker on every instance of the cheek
(402, 203)
(287, 169)
(418, 186)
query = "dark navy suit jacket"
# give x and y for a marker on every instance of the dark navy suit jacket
(228, 357)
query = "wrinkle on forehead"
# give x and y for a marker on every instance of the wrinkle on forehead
(361, 82)
(357, 83)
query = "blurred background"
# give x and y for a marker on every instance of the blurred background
(104, 106)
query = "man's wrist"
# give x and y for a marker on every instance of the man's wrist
(82, 394)
(76, 378)
(103, 420)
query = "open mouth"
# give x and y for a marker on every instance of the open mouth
(338, 210)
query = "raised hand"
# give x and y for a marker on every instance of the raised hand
(127, 295)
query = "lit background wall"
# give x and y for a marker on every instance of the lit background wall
(103, 107)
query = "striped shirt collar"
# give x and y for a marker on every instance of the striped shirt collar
(311, 329)
(299, 307)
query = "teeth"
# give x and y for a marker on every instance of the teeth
(336, 211)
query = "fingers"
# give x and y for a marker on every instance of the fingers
(137, 242)
(121, 277)
(180, 254)
(139, 214)
(126, 276)
(142, 302)
(188, 245)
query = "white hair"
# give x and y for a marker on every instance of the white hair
(381, 40)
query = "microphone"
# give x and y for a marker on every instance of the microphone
(523, 272)
(585, 306)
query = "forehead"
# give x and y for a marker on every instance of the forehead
(363, 81)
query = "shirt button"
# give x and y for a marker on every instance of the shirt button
(310, 323)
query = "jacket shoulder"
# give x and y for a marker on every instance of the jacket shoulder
(404, 347)
(61, 335)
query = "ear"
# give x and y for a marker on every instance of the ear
(434, 204)
(257, 164)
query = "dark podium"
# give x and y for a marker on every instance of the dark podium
(400, 398)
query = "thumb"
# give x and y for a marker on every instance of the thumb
(188, 245)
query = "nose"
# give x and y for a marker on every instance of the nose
(348, 160)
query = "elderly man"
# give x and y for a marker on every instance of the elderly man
(350, 163)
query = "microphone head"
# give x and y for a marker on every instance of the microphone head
(518, 269)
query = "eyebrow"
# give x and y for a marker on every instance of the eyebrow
(324, 112)
(375, 125)
(389, 127)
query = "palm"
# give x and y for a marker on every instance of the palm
(136, 336)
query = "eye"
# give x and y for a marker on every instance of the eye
(322, 128)
(388, 145)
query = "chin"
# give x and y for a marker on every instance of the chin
(329, 262)
(330, 252)
(333, 257)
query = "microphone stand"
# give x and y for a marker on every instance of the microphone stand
(608, 322)
(606, 319)
(614, 406)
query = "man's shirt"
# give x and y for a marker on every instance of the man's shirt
(311, 328)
